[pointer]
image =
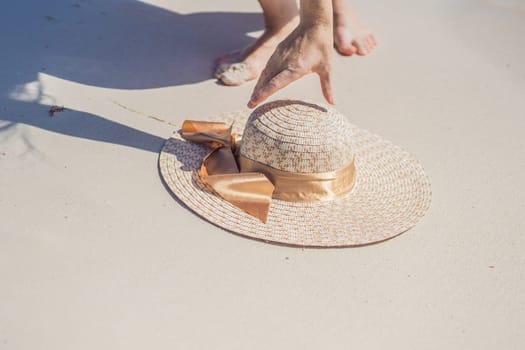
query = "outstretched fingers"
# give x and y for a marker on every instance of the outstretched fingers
(269, 83)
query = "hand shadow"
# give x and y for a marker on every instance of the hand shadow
(120, 44)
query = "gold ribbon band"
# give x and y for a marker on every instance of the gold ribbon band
(212, 134)
(301, 187)
(251, 192)
(253, 187)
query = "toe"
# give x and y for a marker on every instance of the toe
(343, 43)
(369, 43)
(374, 40)
(220, 69)
(361, 46)
(236, 74)
(345, 50)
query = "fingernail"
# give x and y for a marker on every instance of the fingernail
(252, 103)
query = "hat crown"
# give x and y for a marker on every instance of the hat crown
(297, 136)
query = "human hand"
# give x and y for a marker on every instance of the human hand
(308, 49)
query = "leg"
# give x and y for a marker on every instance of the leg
(280, 18)
(350, 36)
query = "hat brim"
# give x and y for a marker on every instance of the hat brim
(391, 194)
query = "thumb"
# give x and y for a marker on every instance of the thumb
(265, 89)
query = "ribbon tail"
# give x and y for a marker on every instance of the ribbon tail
(219, 161)
(250, 192)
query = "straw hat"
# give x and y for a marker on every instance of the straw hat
(389, 191)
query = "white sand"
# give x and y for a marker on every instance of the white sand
(96, 254)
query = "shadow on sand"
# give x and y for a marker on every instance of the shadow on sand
(121, 44)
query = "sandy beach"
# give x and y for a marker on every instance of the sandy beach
(95, 253)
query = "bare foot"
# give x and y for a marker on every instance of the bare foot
(280, 19)
(350, 36)
(246, 64)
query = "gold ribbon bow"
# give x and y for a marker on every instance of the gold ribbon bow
(249, 191)
(253, 188)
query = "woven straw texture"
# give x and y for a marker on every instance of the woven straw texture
(391, 193)
(298, 137)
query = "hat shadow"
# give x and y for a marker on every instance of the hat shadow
(179, 149)
(117, 44)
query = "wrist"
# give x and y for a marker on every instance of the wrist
(317, 32)
(316, 14)
(316, 24)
